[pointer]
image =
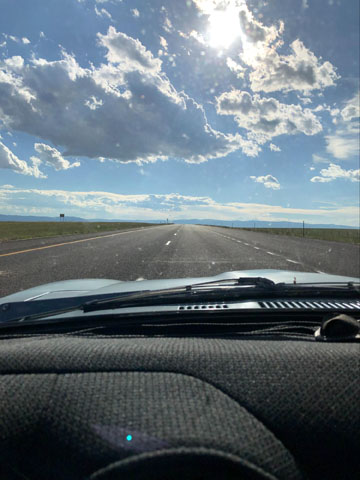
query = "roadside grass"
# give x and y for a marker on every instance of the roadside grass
(330, 234)
(26, 230)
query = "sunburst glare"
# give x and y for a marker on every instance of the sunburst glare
(224, 28)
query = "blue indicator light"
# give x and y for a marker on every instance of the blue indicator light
(129, 438)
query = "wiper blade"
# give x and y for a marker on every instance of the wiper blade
(185, 293)
(243, 287)
(218, 290)
(24, 311)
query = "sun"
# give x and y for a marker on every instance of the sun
(224, 28)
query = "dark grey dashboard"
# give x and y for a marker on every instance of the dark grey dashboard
(194, 407)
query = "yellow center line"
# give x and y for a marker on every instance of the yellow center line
(69, 243)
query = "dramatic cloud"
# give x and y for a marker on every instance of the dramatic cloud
(53, 157)
(300, 70)
(128, 52)
(270, 70)
(10, 161)
(265, 118)
(334, 172)
(147, 206)
(268, 181)
(125, 110)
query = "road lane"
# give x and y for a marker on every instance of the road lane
(310, 254)
(167, 251)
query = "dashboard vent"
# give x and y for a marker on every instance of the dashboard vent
(213, 306)
(311, 305)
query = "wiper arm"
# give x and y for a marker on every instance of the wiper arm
(221, 290)
(186, 292)
(24, 311)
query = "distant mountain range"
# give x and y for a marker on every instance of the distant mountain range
(208, 221)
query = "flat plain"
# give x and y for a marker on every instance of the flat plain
(350, 235)
(27, 230)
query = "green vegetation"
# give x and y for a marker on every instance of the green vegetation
(22, 230)
(330, 234)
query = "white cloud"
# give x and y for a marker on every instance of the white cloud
(274, 148)
(53, 157)
(305, 4)
(25, 40)
(235, 68)
(93, 103)
(319, 159)
(10, 161)
(334, 172)
(344, 143)
(147, 206)
(167, 25)
(13, 38)
(301, 70)
(265, 118)
(193, 35)
(351, 109)
(102, 12)
(163, 43)
(135, 12)
(142, 116)
(268, 181)
(14, 63)
(270, 70)
(128, 52)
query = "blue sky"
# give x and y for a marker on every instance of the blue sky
(226, 109)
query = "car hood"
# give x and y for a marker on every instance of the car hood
(100, 286)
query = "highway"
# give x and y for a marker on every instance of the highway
(166, 251)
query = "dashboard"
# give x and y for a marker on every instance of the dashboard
(104, 405)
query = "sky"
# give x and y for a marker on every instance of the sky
(221, 109)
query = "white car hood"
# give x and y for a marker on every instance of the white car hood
(100, 286)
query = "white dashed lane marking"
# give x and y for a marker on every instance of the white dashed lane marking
(292, 261)
(168, 243)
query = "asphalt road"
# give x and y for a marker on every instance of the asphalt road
(166, 251)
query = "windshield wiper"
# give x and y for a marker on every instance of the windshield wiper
(249, 288)
(226, 289)
(187, 292)
(108, 302)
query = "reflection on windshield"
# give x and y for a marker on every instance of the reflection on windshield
(150, 140)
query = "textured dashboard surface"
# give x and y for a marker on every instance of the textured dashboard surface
(277, 408)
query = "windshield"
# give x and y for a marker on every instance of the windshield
(177, 139)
